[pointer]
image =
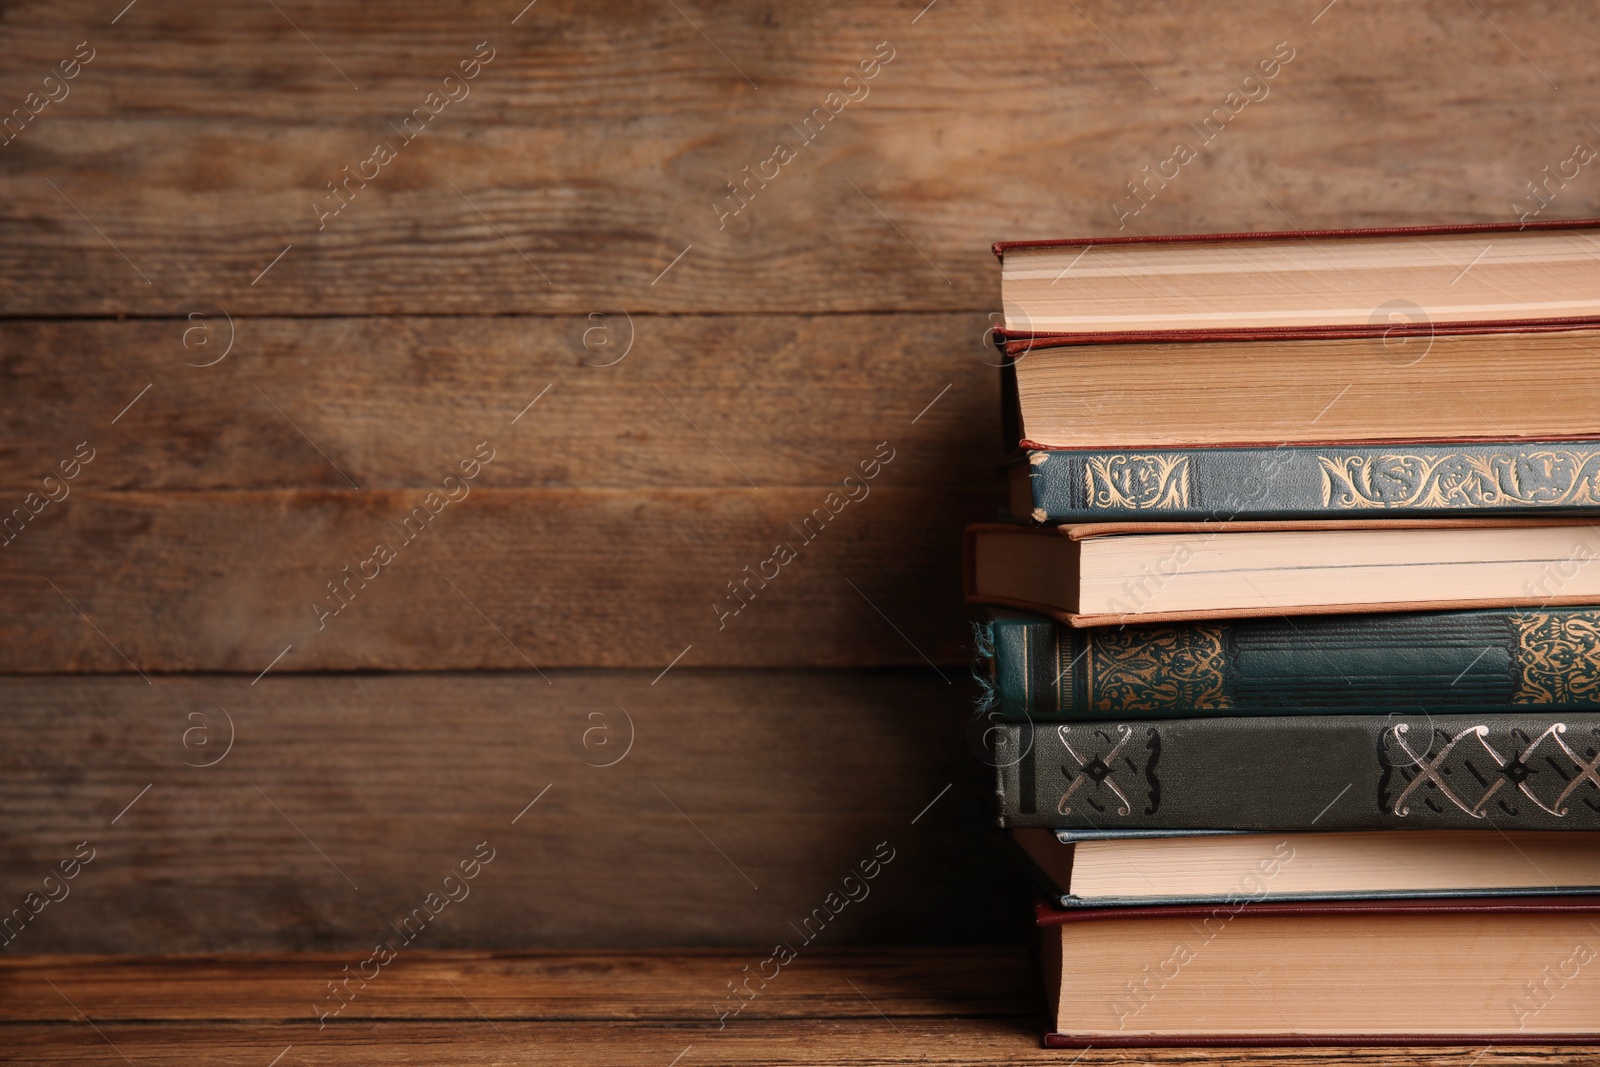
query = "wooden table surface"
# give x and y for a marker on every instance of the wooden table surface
(267, 363)
(933, 1006)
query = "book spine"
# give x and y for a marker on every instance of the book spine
(1311, 481)
(1529, 659)
(1329, 772)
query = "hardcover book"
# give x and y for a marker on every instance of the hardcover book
(1080, 870)
(1101, 574)
(1226, 390)
(1481, 971)
(1308, 481)
(1518, 273)
(1529, 659)
(1412, 770)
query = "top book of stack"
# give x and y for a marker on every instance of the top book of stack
(1441, 371)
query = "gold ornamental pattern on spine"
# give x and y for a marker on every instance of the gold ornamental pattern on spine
(1461, 479)
(1558, 658)
(1138, 482)
(1164, 668)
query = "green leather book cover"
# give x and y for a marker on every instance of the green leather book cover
(1531, 659)
(1420, 480)
(1313, 772)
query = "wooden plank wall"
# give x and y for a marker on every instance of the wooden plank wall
(262, 378)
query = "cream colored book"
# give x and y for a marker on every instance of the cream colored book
(1111, 573)
(1293, 280)
(1085, 870)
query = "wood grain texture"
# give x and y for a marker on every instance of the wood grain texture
(506, 578)
(596, 146)
(887, 1007)
(551, 986)
(746, 797)
(658, 402)
(866, 1041)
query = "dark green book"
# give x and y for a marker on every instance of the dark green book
(1310, 772)
(1529, 659)
(1437, 480)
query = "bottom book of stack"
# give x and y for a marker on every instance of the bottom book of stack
(1448, 938)
(1453, 971)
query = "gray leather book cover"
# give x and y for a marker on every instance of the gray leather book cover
(1323, 772)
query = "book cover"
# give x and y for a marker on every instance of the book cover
(1407, 770)
(1309, 481)
(1532, 660)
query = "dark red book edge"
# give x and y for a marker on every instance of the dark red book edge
(1002, 247)
(1469, 1041)
(1046, 914)
(1016, 344)
(1024, 445)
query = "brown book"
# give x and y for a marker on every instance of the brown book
(1487, 971)
(1103, 574)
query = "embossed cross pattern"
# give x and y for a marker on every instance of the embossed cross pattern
(1587, 772)
(1097, 769)
(1515, 771)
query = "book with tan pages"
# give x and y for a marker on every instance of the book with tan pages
(1117, 347)
(1105, 868)
(1329, 282)
(1103, 574)
(1484, 971)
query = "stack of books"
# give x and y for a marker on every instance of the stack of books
(1292, 641)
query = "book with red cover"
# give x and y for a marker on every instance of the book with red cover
(1484, 971)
